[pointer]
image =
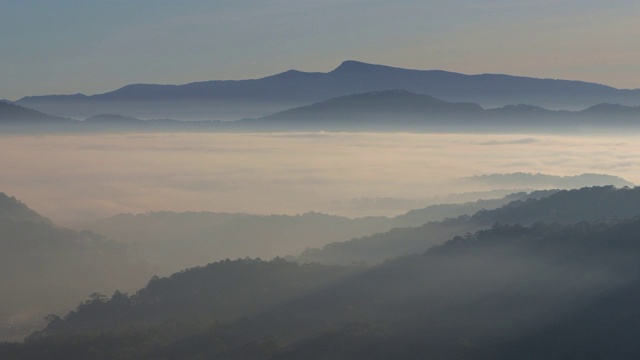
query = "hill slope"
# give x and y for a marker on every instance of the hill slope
(385, 110)
(13, 114)
(49, 268)
(182, 240)
(15, 210)
(566, 206)
(502, 293)
(404, 110)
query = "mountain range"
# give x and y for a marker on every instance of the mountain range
(235, 99)
(209, 236)
(387, 110)
(404, 110)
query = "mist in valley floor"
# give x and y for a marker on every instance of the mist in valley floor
(72, 178)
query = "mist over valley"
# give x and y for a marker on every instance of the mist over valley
(85, 177)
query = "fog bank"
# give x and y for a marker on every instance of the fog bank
(70, 178)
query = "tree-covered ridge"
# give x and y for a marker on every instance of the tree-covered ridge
(547, 265)
(484, 295)
(503, 293)
(221, 291)
(13, 209)
(208, 236)
(565, 206)
(51, 267)
(568, 206)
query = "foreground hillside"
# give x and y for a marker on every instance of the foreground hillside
(506, 292)
(50, 268)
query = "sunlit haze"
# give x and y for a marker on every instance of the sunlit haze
(83, 177)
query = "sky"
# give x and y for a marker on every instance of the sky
(94, 46)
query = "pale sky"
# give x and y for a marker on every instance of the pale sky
(70, 46)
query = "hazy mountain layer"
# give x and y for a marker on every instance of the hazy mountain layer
(401, 109)
(17, 118)
(45, 268)
(388, 110)
(567, 206)
(538, 180)
(15, 210)
(180, 240)
(257, 97)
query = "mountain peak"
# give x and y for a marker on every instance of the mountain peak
(356, 66)
(289, 74)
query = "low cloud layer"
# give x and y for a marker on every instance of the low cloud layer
(81, 177)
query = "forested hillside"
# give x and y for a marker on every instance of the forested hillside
(50, 268)
(183, 240)
(566, 206)
(543, 289)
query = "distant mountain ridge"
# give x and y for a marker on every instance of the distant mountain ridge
(377, 106)
(208, 236)
(521, 179)
(385, 110)
(402, 109)
(233, 99)
(11, 113)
